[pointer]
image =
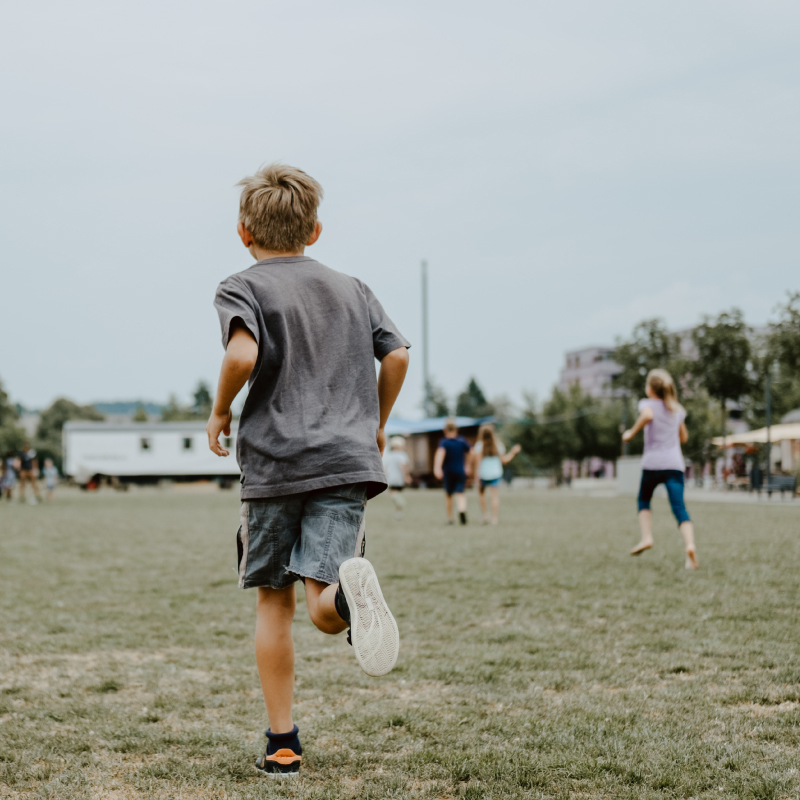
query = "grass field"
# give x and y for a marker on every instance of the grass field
(538, 659)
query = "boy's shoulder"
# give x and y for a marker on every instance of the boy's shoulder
(288, 269)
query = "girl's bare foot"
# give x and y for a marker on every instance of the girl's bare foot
(641, 547)
(691, 560)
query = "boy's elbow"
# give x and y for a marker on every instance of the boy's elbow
(243, 359)
(397, 357)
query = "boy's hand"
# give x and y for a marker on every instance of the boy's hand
(217, 424)
(381, 440)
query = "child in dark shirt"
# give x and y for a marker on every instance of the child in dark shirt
(449, 466)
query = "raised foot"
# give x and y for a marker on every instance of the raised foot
(691, 560)
(373, 630)
(641, 547)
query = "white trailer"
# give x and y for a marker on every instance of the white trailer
(133, 451)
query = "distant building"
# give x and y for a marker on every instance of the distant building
(592, 369)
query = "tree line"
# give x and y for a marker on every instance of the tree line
(721, 362)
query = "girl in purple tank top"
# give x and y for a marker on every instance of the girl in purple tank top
(663, 419)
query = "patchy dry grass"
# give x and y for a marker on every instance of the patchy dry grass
(538, 660)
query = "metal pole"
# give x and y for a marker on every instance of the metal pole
(768, 393)
(426, 378)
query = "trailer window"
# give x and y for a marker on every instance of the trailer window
(145, 443)
(228, 442)
(187, 443)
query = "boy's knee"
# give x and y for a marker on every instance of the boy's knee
(277, 599)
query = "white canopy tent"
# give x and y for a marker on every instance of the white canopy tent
(777, 433)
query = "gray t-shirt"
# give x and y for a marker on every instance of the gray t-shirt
(311, 415)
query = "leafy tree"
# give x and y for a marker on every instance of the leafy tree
(472, 402)
(203, 400)
(651, 346)
(724, 357)
(436, 404)
(11, 435)
(174, 411)
(51, 424)
(141, 414)
(784, 341)
(701, 426)
(570, 425)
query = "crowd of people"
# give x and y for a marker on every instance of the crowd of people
(21, 470)
(454, 462)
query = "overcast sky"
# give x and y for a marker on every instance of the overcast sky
(567, 168)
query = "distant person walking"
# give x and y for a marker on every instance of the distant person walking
(663, 419)
(395, 464)
(28, 474)
(449, 466)
(489, 457)
(50, 473)
(9, 479)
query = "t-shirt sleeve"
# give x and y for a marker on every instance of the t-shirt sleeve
(643, 404)
(385, 335)
(234, 301)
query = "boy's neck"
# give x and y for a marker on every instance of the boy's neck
(261, 255)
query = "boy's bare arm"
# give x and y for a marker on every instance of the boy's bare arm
(392, 373)
(240, 358)
(438, 462)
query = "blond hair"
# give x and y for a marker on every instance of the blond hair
(278, 206)
(450, 426)
(488, 440)
(660, 381)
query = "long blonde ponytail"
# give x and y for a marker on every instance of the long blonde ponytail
(660, 381)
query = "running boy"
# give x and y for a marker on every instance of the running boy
(310, 438)
(449, 468)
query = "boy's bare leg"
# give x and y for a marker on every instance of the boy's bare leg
(448, 506)
(321, 602)
(461, 502)
(646, 527)
(495, 497)
(687, 531)
(275, 654)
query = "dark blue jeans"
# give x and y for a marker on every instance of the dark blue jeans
(673, 480)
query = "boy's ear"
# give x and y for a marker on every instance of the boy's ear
(315, 235)
(245, 235)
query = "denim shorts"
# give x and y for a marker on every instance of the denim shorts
(454, 482)
(492, 482)
(297, 536)
(673, 481)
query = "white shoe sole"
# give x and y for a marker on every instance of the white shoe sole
(373, 630)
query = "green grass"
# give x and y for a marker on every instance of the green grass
(538, 659)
